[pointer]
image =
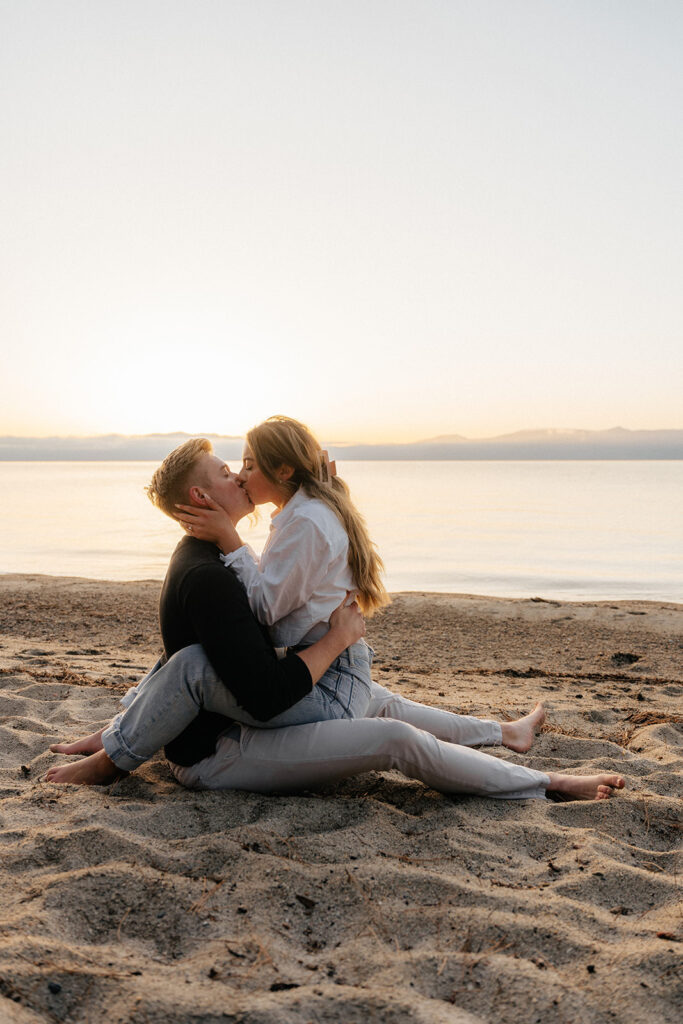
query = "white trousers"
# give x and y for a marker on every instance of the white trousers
(421, 742)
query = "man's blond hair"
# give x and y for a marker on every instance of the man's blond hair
(172, 480)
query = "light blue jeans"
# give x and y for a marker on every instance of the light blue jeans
(175, 692)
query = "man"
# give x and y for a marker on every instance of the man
(202, 603)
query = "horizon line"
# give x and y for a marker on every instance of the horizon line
(554, 433)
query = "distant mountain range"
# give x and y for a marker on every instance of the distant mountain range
(617, 443)
(108, 447)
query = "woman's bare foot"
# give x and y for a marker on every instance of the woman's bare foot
(519, 735)
(583, 787)
(96, 770)
(87, 745)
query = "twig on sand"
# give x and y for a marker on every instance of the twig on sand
(58, 967)
(118, 930)
(471, 959)
(198, 905)
(654, 718)
(262, 957)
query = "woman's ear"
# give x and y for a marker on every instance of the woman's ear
(285, 473)
(197, 497)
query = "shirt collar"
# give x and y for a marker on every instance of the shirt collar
(280, 516)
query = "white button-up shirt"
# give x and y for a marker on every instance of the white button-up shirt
(303, 573)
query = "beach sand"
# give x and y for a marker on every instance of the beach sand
(377, 900)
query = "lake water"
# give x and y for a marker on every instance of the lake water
(573, 530)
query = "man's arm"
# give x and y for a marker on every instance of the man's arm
(262, 684)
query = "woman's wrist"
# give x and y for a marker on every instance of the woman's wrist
(229, 539)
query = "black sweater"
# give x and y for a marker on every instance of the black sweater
(202, 602)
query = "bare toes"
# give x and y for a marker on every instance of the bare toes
(614, 782)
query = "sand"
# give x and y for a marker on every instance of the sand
(377, 899)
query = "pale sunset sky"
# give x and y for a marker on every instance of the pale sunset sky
(390, 218)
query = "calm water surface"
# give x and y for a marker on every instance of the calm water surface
(574, 530)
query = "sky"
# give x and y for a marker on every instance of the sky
(392, 219)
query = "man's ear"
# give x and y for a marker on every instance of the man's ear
(285, 473)
(197, 497)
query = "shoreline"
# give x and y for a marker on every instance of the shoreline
(445, 632)
(373, 899)
(19, 577)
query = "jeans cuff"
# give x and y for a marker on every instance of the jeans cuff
(117, 751)
(496, 735)
(128, 697)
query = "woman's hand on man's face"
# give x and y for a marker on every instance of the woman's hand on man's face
(210, 523)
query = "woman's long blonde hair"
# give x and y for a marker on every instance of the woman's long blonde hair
(280, 441)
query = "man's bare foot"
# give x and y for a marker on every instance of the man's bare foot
(86, 745)
(96, 770)
(583, 787)
(519, 735)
